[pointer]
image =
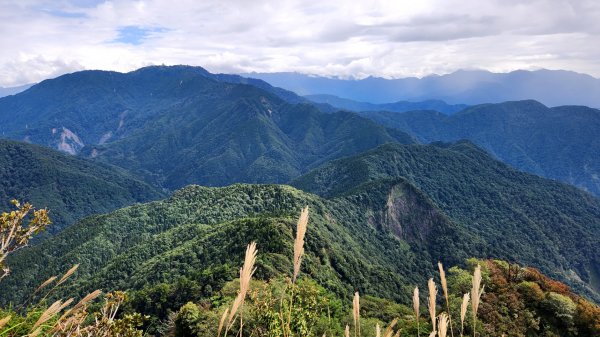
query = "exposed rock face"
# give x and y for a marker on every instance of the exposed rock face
(69, 142)
(408, 213)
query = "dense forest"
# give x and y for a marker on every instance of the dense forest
(70, 187)
(501, 298)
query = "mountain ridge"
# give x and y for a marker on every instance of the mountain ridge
(559, 143)
(551, 87)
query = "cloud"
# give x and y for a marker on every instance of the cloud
(135, 35)
(333, 38)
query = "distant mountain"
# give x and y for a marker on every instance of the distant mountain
(96, 107)
(240, 134)
(401, 106)
(13, 90)
(560, 143)
(70, 187)
(180, 125)
(551, 87)
(519, 217)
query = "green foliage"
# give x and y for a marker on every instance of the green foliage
(503, 213)
(314, 312)
(69, 187)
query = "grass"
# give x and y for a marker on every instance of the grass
(441, 324)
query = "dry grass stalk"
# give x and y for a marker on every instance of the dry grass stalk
(222, 321)
(45, 283)
(347, 331)
(48, 314)
(397, 333)
(443, 324)
(4, 321)
(356, 313)
(476, 292)
(246, 272)
(431, 303)
(416, 308)
(463, 311)
(299, 242)
(67, 275)
(390, 329)
(377, 330)
(445, 290)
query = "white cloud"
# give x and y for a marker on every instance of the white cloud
(335, 38)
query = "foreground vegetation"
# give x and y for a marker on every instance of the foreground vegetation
(497, 299)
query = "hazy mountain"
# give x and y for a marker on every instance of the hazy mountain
(13, 90)
(401, 106)
(560, 143)
(551, 87)
(69, 187)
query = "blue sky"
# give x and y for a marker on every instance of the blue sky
(394, 38)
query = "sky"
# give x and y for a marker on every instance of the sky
(347, 39)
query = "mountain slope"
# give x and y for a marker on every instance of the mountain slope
(69, 187)
(181, 125)
(402, 106)
(95, 107)
(551, 87)
(390, 214)
(240, 134)
(200, 230)
(559, 143)
(521, 217)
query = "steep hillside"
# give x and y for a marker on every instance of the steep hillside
(241, 134)
(200, 234)
(69, 187)
(410, 203)
(560, 143)
(520, 217)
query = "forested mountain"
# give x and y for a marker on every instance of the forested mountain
(551, 87)
(401, 106)
(200, 233)
(180, 125)
(560, 143)
(520, 217)
(96, 107)
(70, 187)
(411, 203)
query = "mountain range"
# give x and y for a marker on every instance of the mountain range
(180, 125)
(402, 106)
(559, 143)
(380, 220)
(387, 198)
(551, 87)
